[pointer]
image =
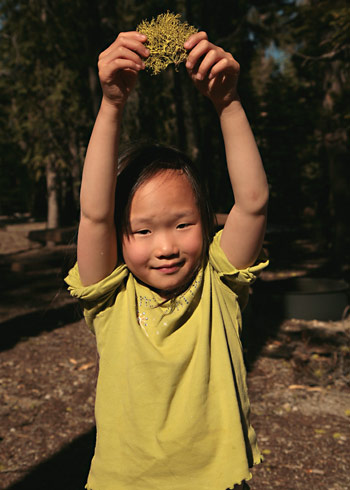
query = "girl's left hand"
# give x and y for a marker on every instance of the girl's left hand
(213, 71)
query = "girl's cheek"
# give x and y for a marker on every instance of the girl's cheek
(128, 249)
(197, 241)
(134, 252)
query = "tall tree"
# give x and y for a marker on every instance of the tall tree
(46, 111)
(320, 53)
(300, 76)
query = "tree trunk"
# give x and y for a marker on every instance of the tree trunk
(180, 116)
(75, 170)
(335, 142)
(94, 89)
(52, 197)
(94, 42)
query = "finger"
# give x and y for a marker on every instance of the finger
(106, 72)
(210, 59)
(200, 49)
(224, 65)
(121, 52)
(195, 39)
(124, 37)
(133, 47)
(131, 40)
(117, 41)
(122, 64)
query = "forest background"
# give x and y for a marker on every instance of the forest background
(294, 84)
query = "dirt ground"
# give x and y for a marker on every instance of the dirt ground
(298, 375)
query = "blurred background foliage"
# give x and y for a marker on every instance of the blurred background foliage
(294, 84)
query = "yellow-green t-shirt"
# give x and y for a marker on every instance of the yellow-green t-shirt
(172, 409)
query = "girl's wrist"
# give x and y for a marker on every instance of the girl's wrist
(229, 109)
(111, 110)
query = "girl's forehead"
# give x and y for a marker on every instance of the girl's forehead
(166, 188)
(168, 178)
(166, 174)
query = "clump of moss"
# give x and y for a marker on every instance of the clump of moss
(166, 36)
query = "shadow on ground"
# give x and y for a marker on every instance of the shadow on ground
(66, 470)
(35, 322)
(33, 295)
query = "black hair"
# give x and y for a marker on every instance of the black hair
(142, 162)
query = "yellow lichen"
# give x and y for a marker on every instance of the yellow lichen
(166, 36)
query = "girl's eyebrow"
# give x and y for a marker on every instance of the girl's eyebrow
(139, 222)
(185, 213)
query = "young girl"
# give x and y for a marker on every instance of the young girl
(163, 296)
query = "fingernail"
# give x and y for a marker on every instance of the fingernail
(189, 64)
(199, 76)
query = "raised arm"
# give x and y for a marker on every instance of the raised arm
(215, 73)
(118, 66)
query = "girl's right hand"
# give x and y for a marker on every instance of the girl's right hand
(119, 65)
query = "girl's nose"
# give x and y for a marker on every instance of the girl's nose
(166, 247)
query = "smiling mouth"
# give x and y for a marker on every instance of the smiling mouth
(169, 268)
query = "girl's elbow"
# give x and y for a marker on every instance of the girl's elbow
(265, 201)
(258, 202)
(96, 217)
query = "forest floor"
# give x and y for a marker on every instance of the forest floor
(298, 376)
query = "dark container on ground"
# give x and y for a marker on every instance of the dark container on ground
(304, 298)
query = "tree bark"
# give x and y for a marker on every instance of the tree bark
(52, 196)
(336, 146)
(94, 42)
(180, 116)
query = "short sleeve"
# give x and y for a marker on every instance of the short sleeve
(95, 297)
(238, 280)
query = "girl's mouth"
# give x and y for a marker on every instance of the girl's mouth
(169, 268)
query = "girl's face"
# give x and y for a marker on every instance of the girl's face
(165, 245)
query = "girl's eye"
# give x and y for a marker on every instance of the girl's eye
(183, 225)
(142, 232)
